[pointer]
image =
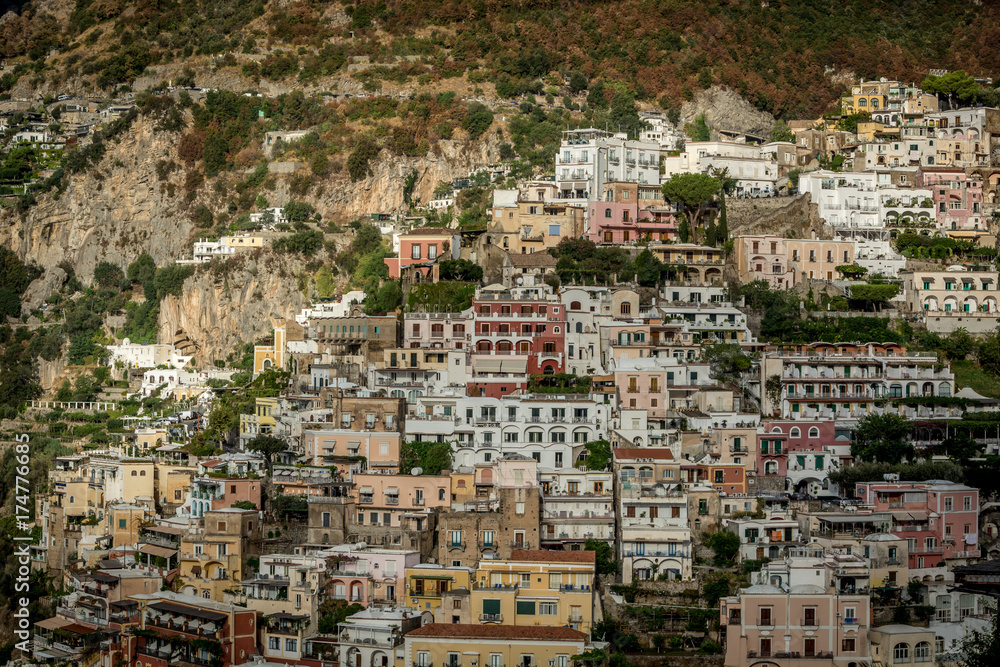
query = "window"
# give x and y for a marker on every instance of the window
(274, 643)
(291, 645)
(415, 251)
(526, 607)
(848, 645)
(901, 652)
(488, 536)
(967, 504)
(548, 609)
(122, 523)
(922, 652)
(813, 432)
(949, 504)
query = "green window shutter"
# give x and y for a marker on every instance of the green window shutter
(526, 608)
(491, 606)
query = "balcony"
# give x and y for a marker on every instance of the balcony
(765, 622)
(735, 620)
(491, 618)
(575, 618)
(456, 546)
(810, 622)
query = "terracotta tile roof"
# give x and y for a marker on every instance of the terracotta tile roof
(546, 555)
(459, 631)
(661, 453)
(528, 259)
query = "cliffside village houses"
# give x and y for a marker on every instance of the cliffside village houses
(491, 559)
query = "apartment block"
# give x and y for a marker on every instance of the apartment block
(938, 519)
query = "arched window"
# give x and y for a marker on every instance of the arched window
(922, 652)
(626, 308)
(776, 429)
(795, 432)
(874, 103)
(813, 432)
(575, 305)
(901, 652)
(579, 327)
(862, 102)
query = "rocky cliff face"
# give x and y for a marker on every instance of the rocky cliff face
(726, 111)
(220, 308)
(340, 199)
(114, 212)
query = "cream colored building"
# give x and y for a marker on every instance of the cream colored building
(952, 292)
(466, 645)
(898, 645)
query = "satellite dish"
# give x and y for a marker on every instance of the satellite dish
(417, 471)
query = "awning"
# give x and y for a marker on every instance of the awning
(196, 612)
(910, 515)
(53, 623)
(366, 489)
(487, 366)
(432, 576)
(161, 552)
(514, 366)
(392, 491)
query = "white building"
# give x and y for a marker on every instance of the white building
(577, 505)
(135, 355)
(589, 158)
(550, 428)
(866, 204)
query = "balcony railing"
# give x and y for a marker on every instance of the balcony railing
(766, 622)
(491, 618)
(810, 622)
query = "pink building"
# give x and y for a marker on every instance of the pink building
(625, 222)
(938, 519)
(368, 575)
(342, 447)
(215, 493)
(764, 258)
(958, 199)
(772, 455)
(515, 334)
(806, 611)
(422, 247)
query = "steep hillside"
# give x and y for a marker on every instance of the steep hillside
(778, 54)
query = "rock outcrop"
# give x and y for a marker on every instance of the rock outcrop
(42, 288)
(789, 217)
(726, 112)
(114, 212)
(232, 303)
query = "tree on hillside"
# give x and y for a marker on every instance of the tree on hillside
(782, 132)
(725, 545)
(267, 446)
(477, 120)
(694, 191)
(953, 85)
(982, 649)
(882, 438)
(577, 82)
(142, 270)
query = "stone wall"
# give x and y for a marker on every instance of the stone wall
(789, 217)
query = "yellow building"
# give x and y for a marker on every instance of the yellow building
(536, 588)
(150, 438)
(492, 645)
(216, 559)
(266, 357)
(426, 584)
(126, 521)
(261, 421)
